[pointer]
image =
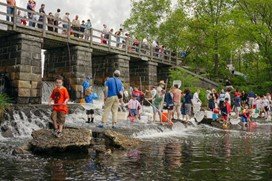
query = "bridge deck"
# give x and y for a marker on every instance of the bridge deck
(51, 40)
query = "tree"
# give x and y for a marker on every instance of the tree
(211, 21)
(257, 29)
(146, 16)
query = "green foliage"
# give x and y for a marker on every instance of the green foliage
(146, 16)
(188, 81)
(261, 89)
(214, 33)
(4, 104)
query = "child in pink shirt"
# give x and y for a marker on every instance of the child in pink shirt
(134, 108)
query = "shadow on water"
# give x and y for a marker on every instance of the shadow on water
(207, 154)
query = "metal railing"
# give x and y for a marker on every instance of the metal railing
(45, 25)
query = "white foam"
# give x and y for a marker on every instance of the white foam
(178, 130)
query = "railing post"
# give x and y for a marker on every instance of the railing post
(69, 31)
(44, 25)
(91, 37)
(140, 48)
(14, 18)
(127, 46)
(109, 40)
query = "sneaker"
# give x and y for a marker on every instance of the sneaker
(113, 126)
(100, 126)
(87, 122)
(54, 132)
(59, 134)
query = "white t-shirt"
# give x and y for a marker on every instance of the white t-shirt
(153, 93)
(227, 95)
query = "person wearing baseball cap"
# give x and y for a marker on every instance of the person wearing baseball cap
(113, 92)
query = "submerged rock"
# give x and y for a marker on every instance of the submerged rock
(44, 141)
(22, 150)
(6, 132)
(120, 141)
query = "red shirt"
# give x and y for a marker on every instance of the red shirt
(59, 95)
(137, 93)
(228, 107)
(237, 94)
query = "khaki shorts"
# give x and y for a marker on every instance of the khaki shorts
(177, 106)
(58, 117)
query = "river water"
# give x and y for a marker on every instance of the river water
(199, 153)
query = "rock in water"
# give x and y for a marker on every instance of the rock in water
(117, 140)
(77, 140)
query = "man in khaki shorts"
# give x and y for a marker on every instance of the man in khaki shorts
(177, 100)
(113, 87)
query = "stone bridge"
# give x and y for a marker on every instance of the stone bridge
(69, 54)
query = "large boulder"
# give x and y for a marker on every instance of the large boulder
(44, 141)
(120, 141)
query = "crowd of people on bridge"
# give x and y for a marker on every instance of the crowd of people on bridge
(82, 29)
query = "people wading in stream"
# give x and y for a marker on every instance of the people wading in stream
(60, 97)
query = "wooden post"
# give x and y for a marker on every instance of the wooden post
(91, 36)
(140, 48)
(109, 41)
(69, 31)
(14, 18)
(126, 46)
(44, 25)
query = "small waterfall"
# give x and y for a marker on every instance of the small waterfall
(47, 88)
(177, 130)
(21, 120)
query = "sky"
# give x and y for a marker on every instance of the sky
(110, 12)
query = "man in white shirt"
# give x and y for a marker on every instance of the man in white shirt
(227, 95)
(196, 102)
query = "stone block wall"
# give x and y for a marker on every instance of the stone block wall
(163, 72)
(74, 64)
(104, 66)
(20, 59)
(143, 72)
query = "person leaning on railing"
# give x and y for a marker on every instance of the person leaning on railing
(41, 10)
(118, 38)
(76, 26)
(66, 20)
(88, 27)
(56, 20)
(82, 28)
(31, 5)
(50, 21)
(10, 9)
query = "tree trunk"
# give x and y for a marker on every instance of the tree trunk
(216, 56)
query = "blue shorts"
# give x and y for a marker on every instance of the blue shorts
(243, 119)
(133, 112)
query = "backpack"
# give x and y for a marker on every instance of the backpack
(88, 91)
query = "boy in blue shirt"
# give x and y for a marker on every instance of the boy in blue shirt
(89, 96)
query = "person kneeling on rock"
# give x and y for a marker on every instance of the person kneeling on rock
(60, 97)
